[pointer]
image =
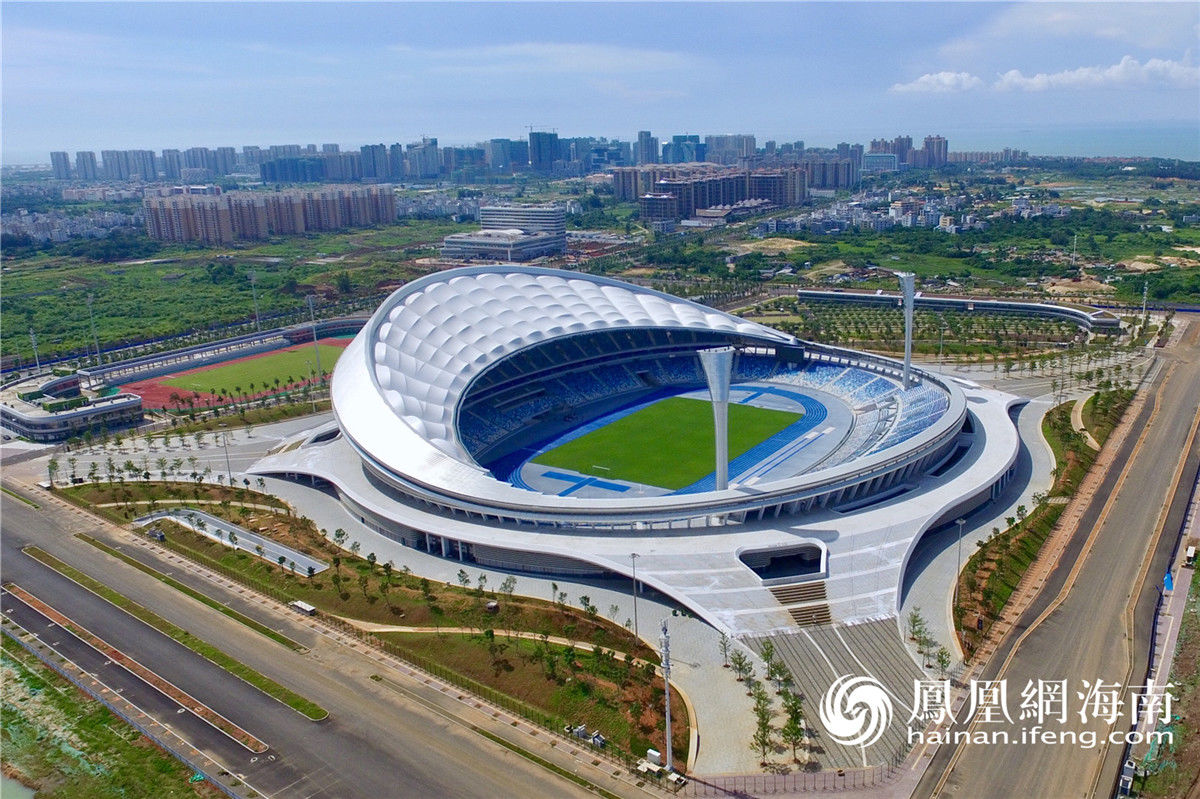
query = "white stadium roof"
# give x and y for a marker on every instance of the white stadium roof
(431, 339)
(399, 383)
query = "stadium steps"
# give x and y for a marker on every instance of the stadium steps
(817, 655)
(794, 594)
(811, 615)
(804, 602)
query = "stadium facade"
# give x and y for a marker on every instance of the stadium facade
(458, 386)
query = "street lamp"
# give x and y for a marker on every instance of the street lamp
(666, 670)
(225, 444)
(960, 522)
(92, 317)
(313, 319)
(254, 294)
(633, 556)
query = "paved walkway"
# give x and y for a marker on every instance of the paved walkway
(1079, 426)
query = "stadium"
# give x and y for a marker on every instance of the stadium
(552, 422)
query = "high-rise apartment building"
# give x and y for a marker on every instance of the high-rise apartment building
(646, 149)
(220, 219)
(543, 151)
(937, 151)
(729, 149)
(172, 164)
(224, 160)
(498, 155)
(424, 160)
(685, 149)
(376, 164)
(116, 166)
(330, 148)
(142, 165)
(60, 165)
(85, 165)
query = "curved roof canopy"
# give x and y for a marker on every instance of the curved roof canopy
(429, 340)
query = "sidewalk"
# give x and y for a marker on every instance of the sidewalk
(724, 716)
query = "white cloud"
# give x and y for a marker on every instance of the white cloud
(640, 95)
(548, 57)
(940, 83)
(1127, 73)
(1143, 25)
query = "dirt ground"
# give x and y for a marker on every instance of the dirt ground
(774, 246)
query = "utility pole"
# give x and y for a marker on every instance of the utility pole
(666, 669)
(225, 444)
(33, 339)
(92, 316)
(633, 556)
(254, 294)
(313, 318)
(960, 522)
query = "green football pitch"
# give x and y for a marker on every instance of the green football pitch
(297, 364)
(668, 444)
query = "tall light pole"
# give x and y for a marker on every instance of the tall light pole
(254, 295)
(92, 317)
(718, 366)
(37, 364)
(666, 669)
(225, 444)
(960, 522)
(312, 392)
(313, 318)
(907, 287)
(633, 556)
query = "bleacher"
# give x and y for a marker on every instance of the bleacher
(810, 375)
(850, 381)
(920, 408)
(874, 391)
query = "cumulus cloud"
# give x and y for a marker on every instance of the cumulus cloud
(940, 83)
(1129, 72)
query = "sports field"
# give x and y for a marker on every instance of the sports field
(668, 444)
(296, 363)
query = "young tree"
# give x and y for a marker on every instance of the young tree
(464, 579)
(793, 732)
(778, 674)
(723, 644)
(741, 665)
(916, 624)
(943, 660)
(764, 733)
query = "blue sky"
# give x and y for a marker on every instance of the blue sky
(1088, 78)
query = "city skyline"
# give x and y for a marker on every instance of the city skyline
(1093, 79)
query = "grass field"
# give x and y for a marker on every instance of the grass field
(236, 377)
(668, 444)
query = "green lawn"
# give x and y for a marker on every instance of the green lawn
(668, 444)
(262, 372)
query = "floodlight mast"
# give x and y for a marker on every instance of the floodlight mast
(908, 286)
(718, 369)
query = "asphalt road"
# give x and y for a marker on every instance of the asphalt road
(1085, 637)
(377, 742)
(116, 677)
